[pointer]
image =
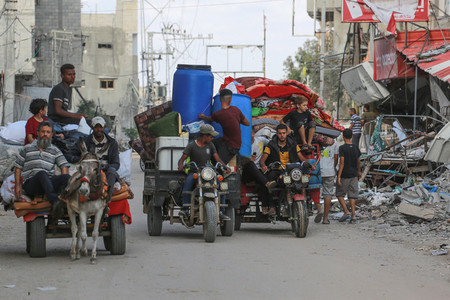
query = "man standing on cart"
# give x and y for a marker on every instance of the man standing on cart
(230, 118)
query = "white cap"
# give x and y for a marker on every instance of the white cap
(98, 120)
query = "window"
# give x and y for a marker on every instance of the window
(105, 46)
(107, 84)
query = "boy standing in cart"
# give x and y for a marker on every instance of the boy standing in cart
(301, 122)
(230, 118)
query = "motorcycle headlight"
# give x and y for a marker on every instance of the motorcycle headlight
(296, 174)
(208, 174)
(287, 179)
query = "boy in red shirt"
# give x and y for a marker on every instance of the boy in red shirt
(38, 108)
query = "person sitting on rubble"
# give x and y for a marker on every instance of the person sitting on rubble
(301, 122)
(36, 164)
(199, 151)
(107, 150)
(60, 99)
(282, 148)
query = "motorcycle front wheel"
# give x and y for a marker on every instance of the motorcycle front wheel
(300, 219)
(210, 223)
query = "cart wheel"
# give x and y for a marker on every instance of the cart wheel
(28, 229)
(37, 238)
(227, 228)
(210, 224)
(107, 242)
(154, 220)
(118, 240)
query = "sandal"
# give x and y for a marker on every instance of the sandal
(326, 223)
(318, 218)
(344, 217)
(272, 212)
(352, 221)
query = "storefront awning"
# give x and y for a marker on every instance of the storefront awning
(430, 50)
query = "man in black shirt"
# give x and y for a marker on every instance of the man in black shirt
(349, 171)
(60, 98)
(199, 151)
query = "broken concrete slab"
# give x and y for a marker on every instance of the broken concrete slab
(416, 211)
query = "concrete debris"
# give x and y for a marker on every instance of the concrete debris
(416, 211)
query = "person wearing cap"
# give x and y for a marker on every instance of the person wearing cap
(200, 151)
(230, 118)
(108, 156)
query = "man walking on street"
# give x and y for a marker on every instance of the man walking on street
(230, 118)
(355, 126)
(347, 179)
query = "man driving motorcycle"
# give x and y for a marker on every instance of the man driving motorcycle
(282, 148)
(200, 151)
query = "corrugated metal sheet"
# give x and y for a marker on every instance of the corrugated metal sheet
(430, 49)
(440, 147)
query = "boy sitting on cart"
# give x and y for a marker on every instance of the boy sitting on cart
(200, 151)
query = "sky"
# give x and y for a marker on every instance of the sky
(231, 22)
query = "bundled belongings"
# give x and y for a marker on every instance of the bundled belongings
(143, 120)
(14, 133)
(8, 155)
(273, 100)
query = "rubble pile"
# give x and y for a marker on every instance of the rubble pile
(417, 211)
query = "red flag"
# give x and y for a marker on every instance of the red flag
(391, 28)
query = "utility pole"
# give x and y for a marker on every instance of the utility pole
(264, 50)
(9, 15)
(322, 47)
(170, 35)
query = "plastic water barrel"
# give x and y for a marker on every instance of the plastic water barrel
(192, 91)
(243, 103)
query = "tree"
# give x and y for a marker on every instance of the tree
(305, 68)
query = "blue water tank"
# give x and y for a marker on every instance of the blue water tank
(192, 91)
(243, 103)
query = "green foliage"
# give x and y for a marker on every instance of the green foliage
(131, 133)
(89, 108)
(305, 68)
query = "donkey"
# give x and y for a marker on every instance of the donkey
(85, 196)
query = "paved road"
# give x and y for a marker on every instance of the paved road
(261, 261)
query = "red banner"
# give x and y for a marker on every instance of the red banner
(388, 62)
(358, 12)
